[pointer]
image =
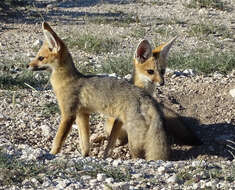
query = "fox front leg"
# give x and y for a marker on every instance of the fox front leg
(62, 133)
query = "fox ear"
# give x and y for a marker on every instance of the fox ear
(51, 37)
(143, 51)
(166, 48)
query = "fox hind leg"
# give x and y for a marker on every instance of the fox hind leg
(109, 123)
(82, 121)
(114, 134)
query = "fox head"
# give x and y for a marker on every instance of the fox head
(150, 65)
(50, 54)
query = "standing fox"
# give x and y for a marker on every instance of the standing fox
(79, 95)
(149, 69)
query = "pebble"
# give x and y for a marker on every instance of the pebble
(120, 186)
(172, 179)
(116, 163)
(161, 169)
(37, 43)
(46, 130)
(2, 117)
(142, 175)
(101, 176)
(109, 180)
(232, 92)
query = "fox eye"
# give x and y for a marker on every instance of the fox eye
(163, 71)
(150, 71)
(40, 58)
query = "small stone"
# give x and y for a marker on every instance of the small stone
(169, 71)
(62, 184)
(46, 130)
(173, 179)
(37, 43)
(195, 186)
(217, 75)
(128, 77)
(109, 180)
(101, 177)
(93, 182)
(136, 176)
(161, 169)
(202, 12)
(2, 117)
(120, 186)
(98, 65)
(232, 92)
(50, 6)
(116, 163)
(197, 163)
(188, 72)
(113, 75)
(74, 126)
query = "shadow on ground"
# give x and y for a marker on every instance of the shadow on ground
(218, 141)
(35, 12)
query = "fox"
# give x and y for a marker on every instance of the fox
(149, 66)
(79, 95)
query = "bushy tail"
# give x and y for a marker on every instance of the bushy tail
(178, 129)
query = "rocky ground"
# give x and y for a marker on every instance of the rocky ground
(29, 115)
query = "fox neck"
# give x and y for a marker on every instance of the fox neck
(65, 72)
(141, 83)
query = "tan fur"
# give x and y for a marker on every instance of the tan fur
(156, 60)
(79, 95)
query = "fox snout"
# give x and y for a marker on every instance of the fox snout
(162, 82)
(159, 80)
(33, 66)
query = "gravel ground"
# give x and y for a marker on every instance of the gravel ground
(29, 117)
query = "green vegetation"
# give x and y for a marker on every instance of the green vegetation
(14, 75)
(50, 109)
(12, 3)
(15, 172)
(215, 4)
(117, 19)
(191, 175)
(91, 43)
(119, 65)
(138, 33)
(205, 64)
(205, 29)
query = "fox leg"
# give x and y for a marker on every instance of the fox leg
(82, 121)
(109, 123)
(114, 133)
(61, 134)
(136, 130)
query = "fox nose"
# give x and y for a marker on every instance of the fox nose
(27, 66)
(162, 83)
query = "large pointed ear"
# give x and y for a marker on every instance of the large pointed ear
(53, 40)
(143, 51)
(166, 48)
